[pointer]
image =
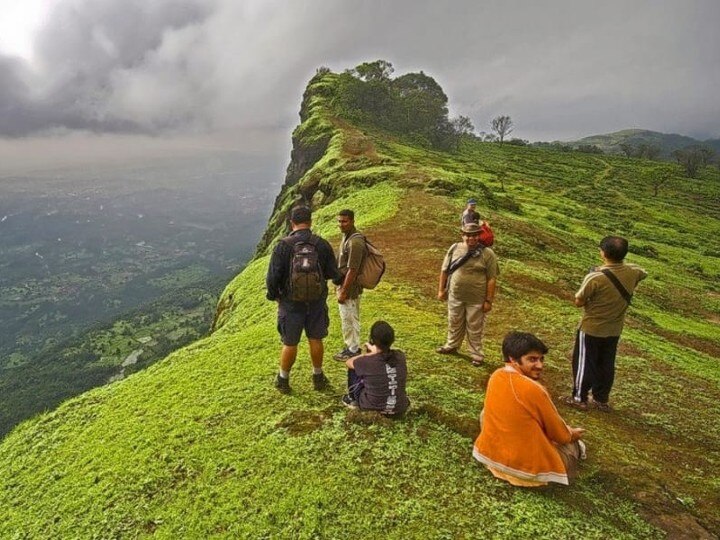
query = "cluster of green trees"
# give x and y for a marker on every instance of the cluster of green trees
(642, 150)
(413, 104)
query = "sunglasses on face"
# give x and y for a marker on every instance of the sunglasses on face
(471, 235)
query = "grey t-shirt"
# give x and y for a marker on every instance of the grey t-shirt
(384, 382)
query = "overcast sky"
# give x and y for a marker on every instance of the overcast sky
(185, 68)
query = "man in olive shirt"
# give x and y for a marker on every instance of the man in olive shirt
(605, 295)
(352, 252)
(467, 281)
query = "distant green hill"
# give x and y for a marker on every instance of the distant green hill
(667, 143)
(200, 445)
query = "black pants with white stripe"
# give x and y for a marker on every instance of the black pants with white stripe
(593, 366)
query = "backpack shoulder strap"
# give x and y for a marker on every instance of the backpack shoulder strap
(619, 286)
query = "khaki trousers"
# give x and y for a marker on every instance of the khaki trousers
(465, 320)
(350, 322)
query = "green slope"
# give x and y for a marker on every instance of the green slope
(200, 445)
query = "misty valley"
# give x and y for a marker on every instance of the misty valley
(104, 272)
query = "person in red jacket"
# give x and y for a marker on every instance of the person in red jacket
(523, 440)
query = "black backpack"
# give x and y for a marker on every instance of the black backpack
(305, 282)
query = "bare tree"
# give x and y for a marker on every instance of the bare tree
(693, 158)
(503, 126)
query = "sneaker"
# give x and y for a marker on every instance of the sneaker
(349, 402)
(282, 384)
(446, 350)
(602, 406)
(320, 381)
(575, 404)
(345, 354)
(477, 360)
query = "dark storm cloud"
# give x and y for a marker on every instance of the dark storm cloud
(561, 69)
(85, 47)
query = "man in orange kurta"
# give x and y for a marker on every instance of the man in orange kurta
(523, 439)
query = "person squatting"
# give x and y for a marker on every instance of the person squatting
(523, 439)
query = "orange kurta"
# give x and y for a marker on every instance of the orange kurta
(520, 425)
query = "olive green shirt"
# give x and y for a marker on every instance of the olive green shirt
(352, 253)
(469, 282)
(604, 308)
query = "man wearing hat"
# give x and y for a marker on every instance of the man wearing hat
(467, 281)
(470, 215)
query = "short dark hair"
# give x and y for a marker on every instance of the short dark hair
(300, 214)
(347, 213)
(518, 344)
(382, 335)
(614, 247)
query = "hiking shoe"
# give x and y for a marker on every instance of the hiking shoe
(575, 404)
(446, 350)
(345, 354)
(320, 381)
(602, 407)
(349, 402)
(282, 384)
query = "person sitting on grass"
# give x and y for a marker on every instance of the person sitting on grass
(376, 379)
(523, 440)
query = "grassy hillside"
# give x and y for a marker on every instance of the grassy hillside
(200, 445)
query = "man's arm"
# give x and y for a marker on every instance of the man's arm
(444, 275)
(356, 251)
(587, 289)
(442, 285)
(350, 278)
(489, 295)
(329, 264)
(371, 349)
(276, 274)
(552, 423)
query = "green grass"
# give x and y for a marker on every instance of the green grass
(200, 445)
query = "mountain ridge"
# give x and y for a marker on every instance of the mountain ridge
(201, 445)
(666, 142)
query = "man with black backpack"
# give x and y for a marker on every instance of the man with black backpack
(605, 296)
(296, 278)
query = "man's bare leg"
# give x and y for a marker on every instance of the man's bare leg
(317, 350)
(288, 354)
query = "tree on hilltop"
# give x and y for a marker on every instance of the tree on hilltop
(379, 70)
(413, 104)
(503, 126)
(421, 102)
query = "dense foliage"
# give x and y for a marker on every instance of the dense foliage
(412, 104)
